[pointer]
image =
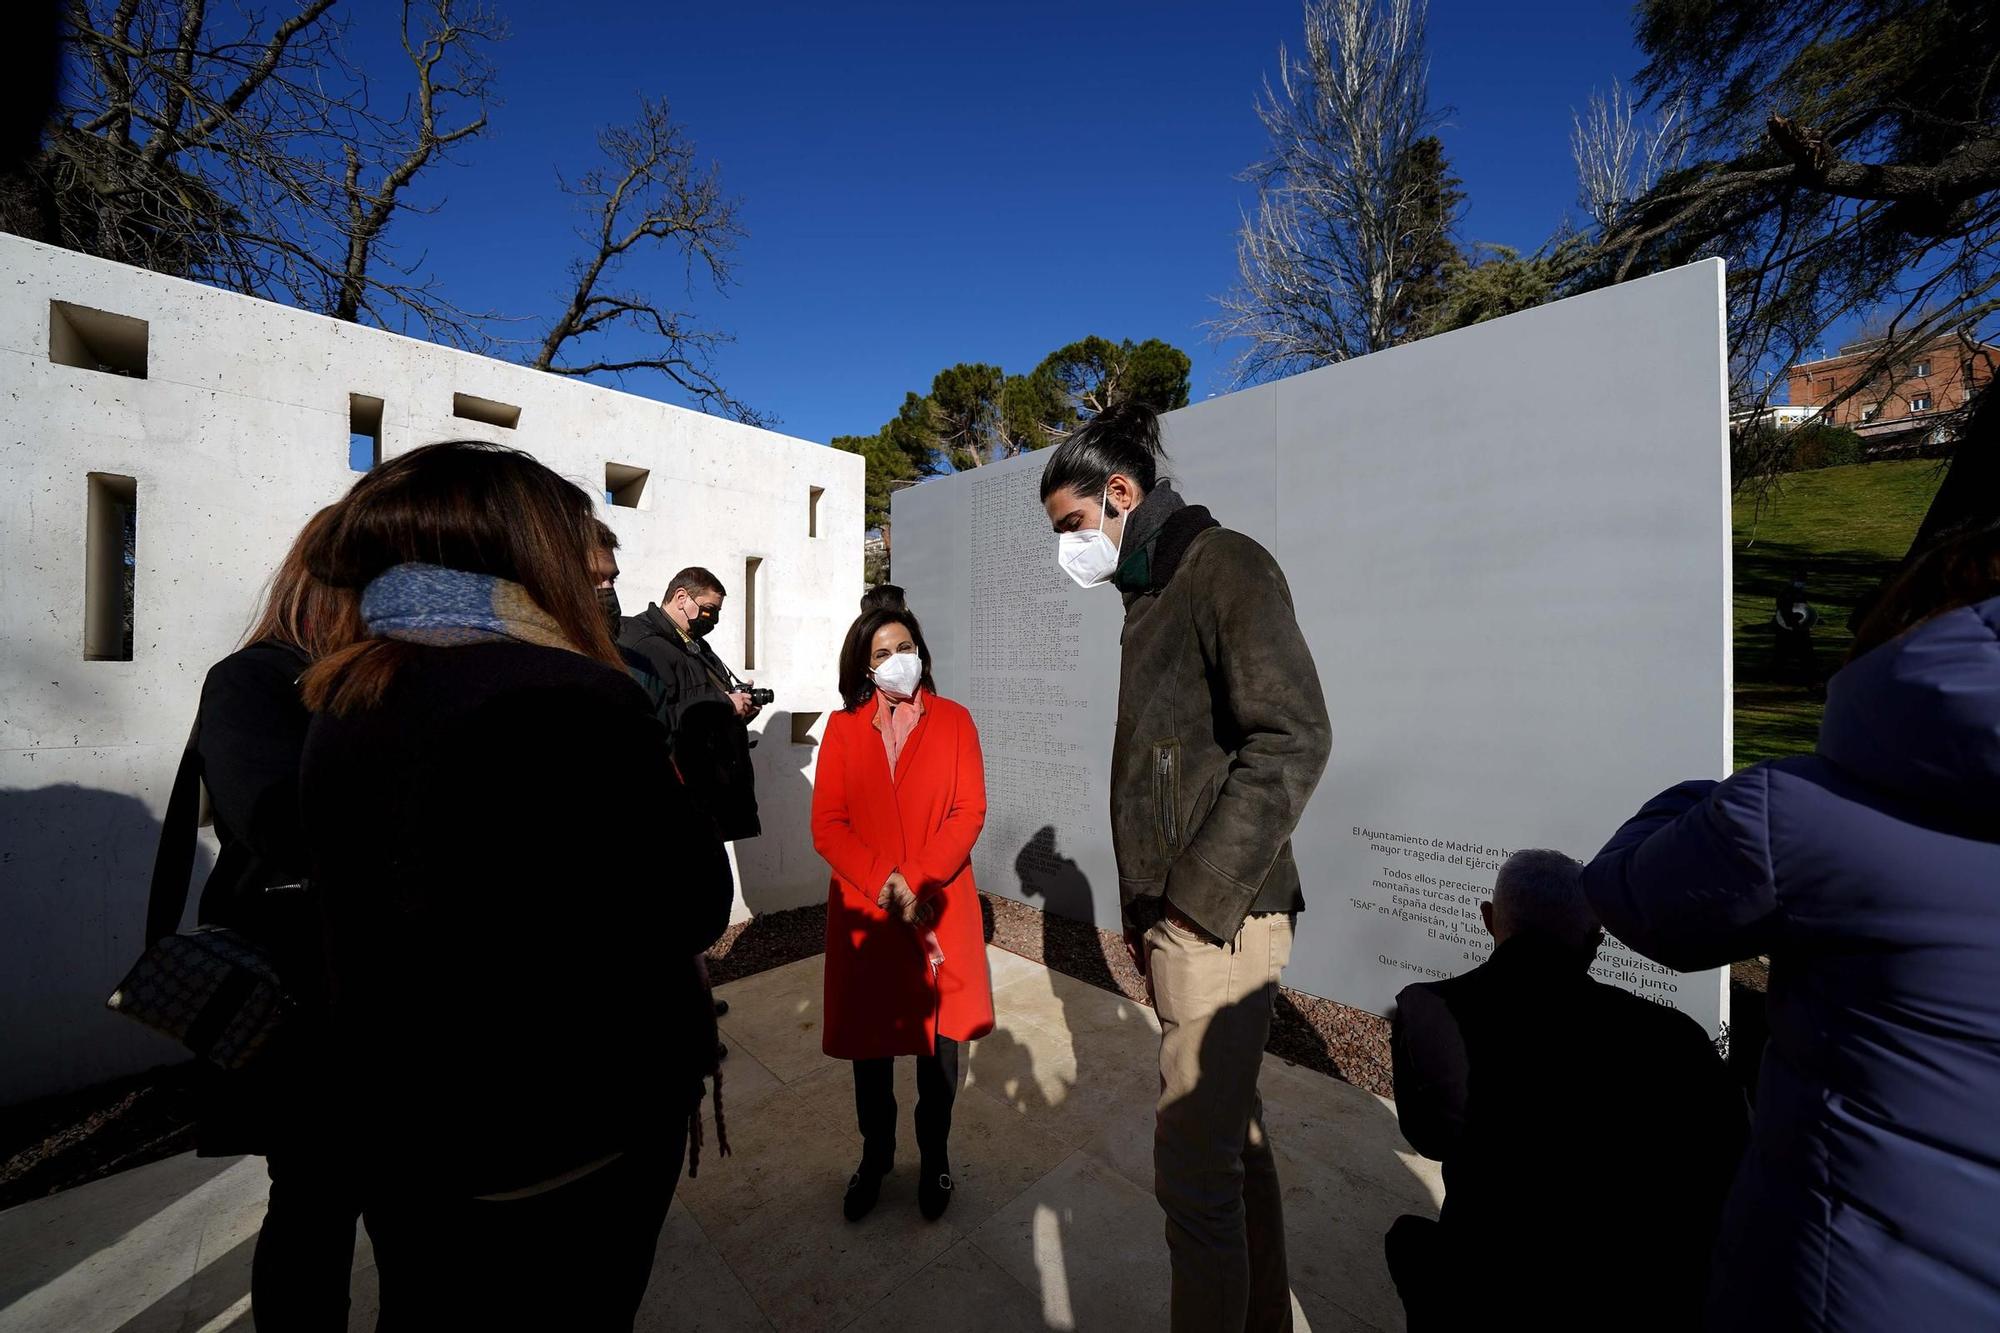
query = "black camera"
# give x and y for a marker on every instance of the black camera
(759, 698)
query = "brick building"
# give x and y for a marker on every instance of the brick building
(1940, 378)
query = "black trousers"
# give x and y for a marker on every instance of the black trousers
(1421, 1265)
(305, 1250)
(576, 1258)
(875, 1106)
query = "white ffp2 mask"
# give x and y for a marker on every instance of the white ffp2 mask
(900, 675)
(1089, 557)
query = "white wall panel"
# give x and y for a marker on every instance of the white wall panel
(1509, 549)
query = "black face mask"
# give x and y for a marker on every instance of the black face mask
(702, 625)
(607, 602)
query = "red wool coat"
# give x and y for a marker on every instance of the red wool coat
(881, 997)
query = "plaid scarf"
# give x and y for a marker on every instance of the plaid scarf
(448, 607)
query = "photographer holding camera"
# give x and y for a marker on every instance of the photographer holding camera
(704, 707)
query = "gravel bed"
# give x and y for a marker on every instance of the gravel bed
(767, 941)
(1348, 1044)
(56, 1143)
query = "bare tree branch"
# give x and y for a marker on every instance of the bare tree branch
(1618, 160)
(213, 143)
(650, 189)
(448, 63)
(172, 140)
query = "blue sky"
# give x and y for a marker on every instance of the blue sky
(931, 183)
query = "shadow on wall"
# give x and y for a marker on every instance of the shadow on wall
(75, 868)
(779, 869)
(1064, 890)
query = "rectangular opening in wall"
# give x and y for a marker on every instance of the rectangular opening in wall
(625, 486)
(802, 728)
(97, 340)
(110, 561)
(812, 511)
(364, 431)
(504, 415)
(751, 567)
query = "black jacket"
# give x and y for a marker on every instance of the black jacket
(252, 730)
(690, 673)
(710, 743)
(515, 991)
(1222, 728)
(1588, 1139)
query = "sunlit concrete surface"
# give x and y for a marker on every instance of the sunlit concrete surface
(1053, 1227)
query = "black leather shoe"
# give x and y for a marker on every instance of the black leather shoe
(721, 1052)
(934, 1190)
(864, 1187)
(721, 1008)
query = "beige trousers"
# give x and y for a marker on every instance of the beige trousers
(1213, 1169)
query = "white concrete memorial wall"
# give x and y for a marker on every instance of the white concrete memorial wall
(223, 423)
(1509, 551)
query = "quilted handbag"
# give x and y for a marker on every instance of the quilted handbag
(212, 989)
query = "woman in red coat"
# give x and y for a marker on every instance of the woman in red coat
(897, 805)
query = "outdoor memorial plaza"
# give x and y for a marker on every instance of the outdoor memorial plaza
(1055, 1226)
(1054, 1223)
(558, 554)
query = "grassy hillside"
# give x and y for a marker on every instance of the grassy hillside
(1845, 528)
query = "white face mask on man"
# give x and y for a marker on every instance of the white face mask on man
(1091, 558)
(900, 675)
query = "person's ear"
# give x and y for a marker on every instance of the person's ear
(1121, 494)
(1486, 915)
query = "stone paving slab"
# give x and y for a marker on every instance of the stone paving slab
(1054, 1225)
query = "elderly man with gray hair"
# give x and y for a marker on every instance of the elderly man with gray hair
(1588, 1135)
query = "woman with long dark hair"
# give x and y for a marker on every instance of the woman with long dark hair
(250, 732)
(1869, 872)
(515, 889)
(898, 802)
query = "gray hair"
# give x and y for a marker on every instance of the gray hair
(1540, 892)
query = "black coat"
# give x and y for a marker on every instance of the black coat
(710, 743)
(515, 991)
(251, 731)
(1588, 1138)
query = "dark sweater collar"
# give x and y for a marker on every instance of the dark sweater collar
(1144, 524)
(1157, 536)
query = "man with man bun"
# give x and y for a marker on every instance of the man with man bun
(1222, 737)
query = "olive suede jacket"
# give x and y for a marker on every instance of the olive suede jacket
(1222, 731)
